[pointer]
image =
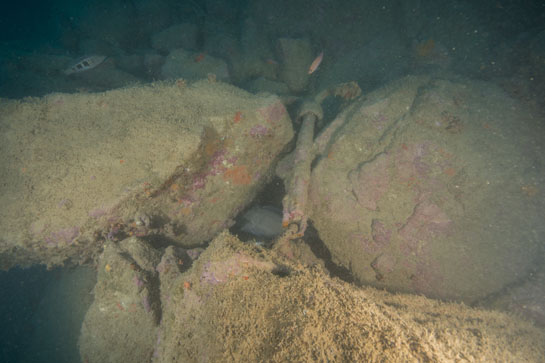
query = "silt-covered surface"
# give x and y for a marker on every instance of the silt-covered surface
(172, 159)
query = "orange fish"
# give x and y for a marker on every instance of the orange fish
(315, 63)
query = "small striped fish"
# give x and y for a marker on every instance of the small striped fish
(84, 64)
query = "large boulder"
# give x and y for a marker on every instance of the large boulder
(434, 187)
(174, 160)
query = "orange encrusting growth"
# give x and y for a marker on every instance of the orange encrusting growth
(238, 117)
(238, 175)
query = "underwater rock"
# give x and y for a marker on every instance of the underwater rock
(175, 160)
(243, 303)
(122, 321)
(422, 190)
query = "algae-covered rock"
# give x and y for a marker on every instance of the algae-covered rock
(175, 160)
(122, 321)
(433, 187)
(237, 302)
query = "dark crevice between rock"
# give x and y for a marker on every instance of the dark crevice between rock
(317, 246)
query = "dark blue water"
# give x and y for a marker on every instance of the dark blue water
(21, 293)
(41, 313)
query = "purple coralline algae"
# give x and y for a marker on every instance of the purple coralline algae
(260, 131)
(66, 236)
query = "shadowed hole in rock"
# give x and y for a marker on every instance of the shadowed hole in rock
(262, 219)
(281, 271)
(320, 250)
